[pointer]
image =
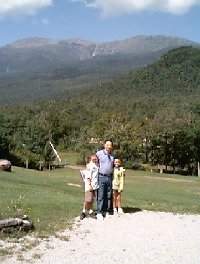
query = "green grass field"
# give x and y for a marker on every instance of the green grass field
(52, 199)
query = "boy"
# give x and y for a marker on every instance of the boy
(118, 185)
(90, 177)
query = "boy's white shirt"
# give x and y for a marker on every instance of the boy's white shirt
(91, 173)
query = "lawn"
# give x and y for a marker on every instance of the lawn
(52, 199)
(162, 192)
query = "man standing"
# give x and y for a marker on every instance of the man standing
(106, 164)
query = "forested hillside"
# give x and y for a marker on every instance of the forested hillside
(153, 116)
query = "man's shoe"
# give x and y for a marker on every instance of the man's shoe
(108, 214)
(82, 216)
(99, 217)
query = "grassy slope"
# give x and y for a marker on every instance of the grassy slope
(45, 197)
(52, 204)
(162, 192)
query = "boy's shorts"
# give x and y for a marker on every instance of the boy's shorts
(89, 195)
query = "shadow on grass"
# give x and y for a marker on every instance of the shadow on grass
(131, 210)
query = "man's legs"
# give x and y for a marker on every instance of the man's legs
(104, 198)
(109, 195)
(100, 196)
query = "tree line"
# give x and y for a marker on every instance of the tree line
(152, 115)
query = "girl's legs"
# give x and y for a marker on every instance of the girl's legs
(119, 202)
(115, 202)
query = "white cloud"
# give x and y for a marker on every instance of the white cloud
(21, 7)
(119, 7)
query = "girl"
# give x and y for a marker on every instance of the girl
(118, 185)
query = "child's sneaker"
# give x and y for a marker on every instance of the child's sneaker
(93, 215)
(82, 216)
(115, 211)
(120, 211)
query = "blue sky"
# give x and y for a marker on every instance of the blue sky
(98, 20)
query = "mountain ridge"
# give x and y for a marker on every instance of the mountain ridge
(78, 49)
(40, 68)
(43, 41)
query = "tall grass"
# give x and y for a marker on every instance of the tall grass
(52, 199)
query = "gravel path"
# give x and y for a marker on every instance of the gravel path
(142, 238)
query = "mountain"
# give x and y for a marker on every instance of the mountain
(152, 113)
(35, 68)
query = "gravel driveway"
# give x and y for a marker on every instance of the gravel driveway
(141, 238)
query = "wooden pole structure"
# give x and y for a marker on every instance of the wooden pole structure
(54, 150)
